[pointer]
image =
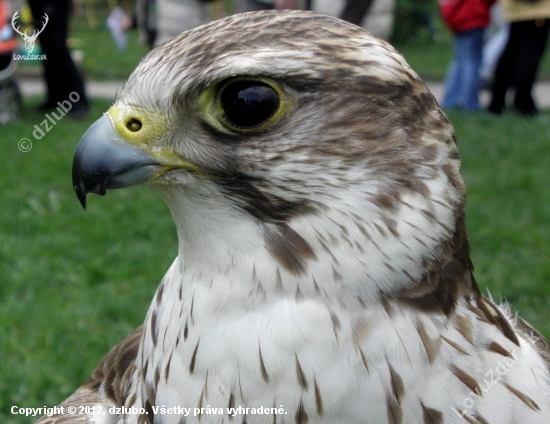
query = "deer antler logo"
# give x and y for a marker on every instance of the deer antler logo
(29, 40)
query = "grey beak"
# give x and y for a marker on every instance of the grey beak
(104, 160)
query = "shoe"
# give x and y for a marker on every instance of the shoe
(528, 113)
(495, 109)
(497, 105)
(525, 107)
(45, 107)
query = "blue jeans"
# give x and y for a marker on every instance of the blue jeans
(463, 81)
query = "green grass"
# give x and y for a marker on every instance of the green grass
(429, 59)
(505, 165)
(73, 283)
(102, 60)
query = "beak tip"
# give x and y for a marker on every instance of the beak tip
(82, 189)
(80, 194)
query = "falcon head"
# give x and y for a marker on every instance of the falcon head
(294, 138)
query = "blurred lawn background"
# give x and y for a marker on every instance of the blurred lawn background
(429, 56)
(74, 283)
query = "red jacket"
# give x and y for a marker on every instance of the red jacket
(463, 15)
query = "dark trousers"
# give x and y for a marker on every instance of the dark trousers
(518, 65)
(355, 10)
(61, 75)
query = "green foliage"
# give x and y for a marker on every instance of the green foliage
(413, 19)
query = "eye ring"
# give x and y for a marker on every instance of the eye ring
(248, 103)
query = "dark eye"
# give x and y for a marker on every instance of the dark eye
(247, 104)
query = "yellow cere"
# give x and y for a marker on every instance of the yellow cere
(144, 128)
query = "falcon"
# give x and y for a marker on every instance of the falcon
(323, 271)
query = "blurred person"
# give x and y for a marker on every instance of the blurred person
(379, 20)
(519, 63)
(10, 96)
(288, 4)
(254, 5)
(60, 72)
(494, 46)
(146, 22)
(468, 19)
(242, 6)
(119, 23)
(354, 11)
(175, 16)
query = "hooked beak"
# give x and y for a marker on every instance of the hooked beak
(104, 160)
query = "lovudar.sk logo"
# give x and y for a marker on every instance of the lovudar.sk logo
(29, 39)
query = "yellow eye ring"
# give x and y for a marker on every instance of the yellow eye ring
(244, 105)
